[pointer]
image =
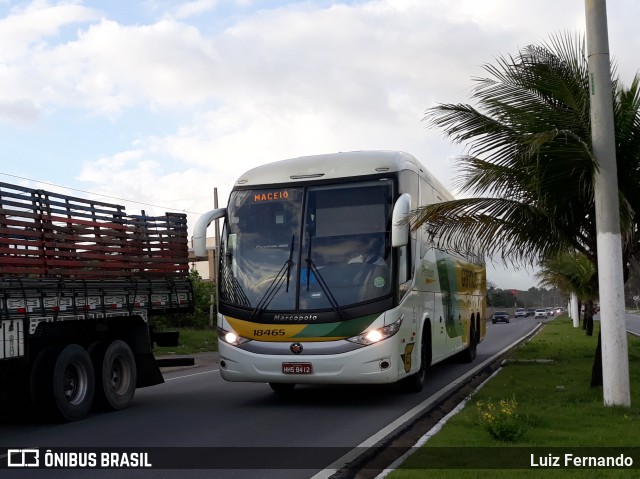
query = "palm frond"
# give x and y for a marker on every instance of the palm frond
(528, 163)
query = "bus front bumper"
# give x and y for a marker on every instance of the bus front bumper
(374, 364)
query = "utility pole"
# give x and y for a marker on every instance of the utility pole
(615, 360)
(212, 257)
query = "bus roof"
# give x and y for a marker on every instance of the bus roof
(335, 166)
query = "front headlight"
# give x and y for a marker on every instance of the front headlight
(376, 335)
(231, 338)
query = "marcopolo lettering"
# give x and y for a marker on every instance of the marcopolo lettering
(295, 317)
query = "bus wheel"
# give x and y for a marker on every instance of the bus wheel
(117, 376)
(63, 383)
(469, 354)
(282, 388)
(415, 382)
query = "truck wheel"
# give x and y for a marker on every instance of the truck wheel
(116, 377)
(41, 382)
(63, 383)
(96, 353)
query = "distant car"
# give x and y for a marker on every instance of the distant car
(501, 316)
(531, 312)
(550, 311)
(521, 313)
(541, 313)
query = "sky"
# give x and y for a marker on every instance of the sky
(153, 104)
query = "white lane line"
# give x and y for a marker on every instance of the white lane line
(194, 374)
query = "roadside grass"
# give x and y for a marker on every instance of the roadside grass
(547, 402)
(191, 341)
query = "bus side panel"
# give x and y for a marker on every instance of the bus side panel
(408, 338)
(440, 345)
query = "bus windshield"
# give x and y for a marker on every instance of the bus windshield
(307, 248)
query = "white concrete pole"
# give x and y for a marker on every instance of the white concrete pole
(615, 360)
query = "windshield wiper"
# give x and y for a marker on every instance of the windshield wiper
(231, 291)
(290, 262)
(311, 267)
(276, 284)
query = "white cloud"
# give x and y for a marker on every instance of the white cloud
(196, 7)
(19, 111)
(110, 67)
(298, 79)
(28, 28)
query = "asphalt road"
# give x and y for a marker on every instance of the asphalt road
(633, 323)
(242, 430)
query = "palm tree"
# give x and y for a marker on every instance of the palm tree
(573, 273)
(528, 168)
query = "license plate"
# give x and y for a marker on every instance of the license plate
(297, 368)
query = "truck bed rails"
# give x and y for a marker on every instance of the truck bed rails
(79, 280)
(45, 234)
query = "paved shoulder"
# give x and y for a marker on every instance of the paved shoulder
(209, 358)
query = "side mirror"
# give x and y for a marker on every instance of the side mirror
(199, 237)
(400, 232)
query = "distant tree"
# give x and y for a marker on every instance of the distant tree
(203, 292)
(500, 298)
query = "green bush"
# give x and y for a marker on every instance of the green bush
(501, 419)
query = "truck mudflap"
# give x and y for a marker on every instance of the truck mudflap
(148, 370)
(170, 339)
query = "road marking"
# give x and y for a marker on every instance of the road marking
(194, 374)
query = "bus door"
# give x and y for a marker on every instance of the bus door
(441, 344)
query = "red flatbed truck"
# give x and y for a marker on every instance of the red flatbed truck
(80, 281)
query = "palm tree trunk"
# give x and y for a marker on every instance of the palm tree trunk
(588, 317)
(579, 311)
(596, 370)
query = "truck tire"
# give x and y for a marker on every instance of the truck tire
(116, 376)
(96, 353)
(63, 383)
(41, 382)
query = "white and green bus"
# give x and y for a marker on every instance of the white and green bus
(321, 282)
